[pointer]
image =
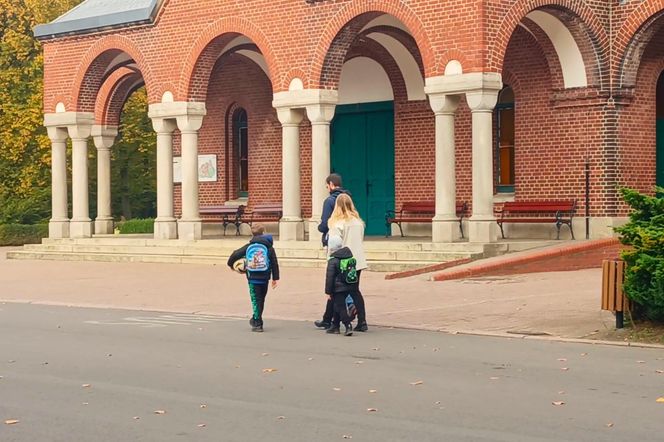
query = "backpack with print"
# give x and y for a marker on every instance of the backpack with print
(257, 258)
(348, 270)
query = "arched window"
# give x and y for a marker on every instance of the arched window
(241, 150)
(505, 141)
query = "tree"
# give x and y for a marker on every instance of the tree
(24, 146)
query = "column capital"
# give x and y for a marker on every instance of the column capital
(57, 134)
(104, 136)
(163, 125)
(482, 100)
(459, 84)
(289, 116)
(300, 99)
(188, 115)
(320, 113)
(67, 119)
(80, 131)
(443, 104)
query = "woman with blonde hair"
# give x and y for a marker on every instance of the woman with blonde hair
(346, 223)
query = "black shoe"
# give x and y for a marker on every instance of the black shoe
(257, 328)
(349, 330)
(333, 330)
(362, 327)
(322, 324)
(252, 322)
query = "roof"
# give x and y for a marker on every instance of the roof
(95, 15)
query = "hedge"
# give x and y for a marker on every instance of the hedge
(138, 225)
(19, 234)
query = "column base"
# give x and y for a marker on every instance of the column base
(190, 230)
(58, 229)
(291, 230)
(165, 229)
(80, 229)
(482, 230)
(445, 229)
(104, 226)
(314, 235)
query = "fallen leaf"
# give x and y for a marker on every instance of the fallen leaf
(417, 383)
(136, 418)
(558, 403)
(436, 349)
(564, 368)
(660, 399)
(610, 424)
(640, 362)
(311, 359)
(11, 421)
(438, 402)
(376, 348)
(584, 354)
(372, 391)
(562, 360)
(656, 371)
(269, 370)
(159, 412)
(203, 405)
(347, 436)
(371, 410)
(359, 362)
(11, 361)
(281, 417)
(561, 392)
(494, 378)
(265, 354)
(86, 385)
(201, 425)
(86, 403)
(336, 389)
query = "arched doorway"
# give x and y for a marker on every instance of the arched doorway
(660, 132)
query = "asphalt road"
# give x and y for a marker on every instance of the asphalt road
(74, 374)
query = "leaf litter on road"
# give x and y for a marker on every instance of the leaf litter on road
(558, 403)
(159, 412)
(12, 421)
(269, 370)
(417, 383)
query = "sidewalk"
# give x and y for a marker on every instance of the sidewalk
(564, 304)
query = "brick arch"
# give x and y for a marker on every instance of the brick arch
(346, 24)
(633, 38)
(453, 54)
(201, 60)
(113, 94)
(290, 76)
(579, 19)
(542, 40)
(94, 65)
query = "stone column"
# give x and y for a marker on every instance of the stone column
(482, 223)
(165, 226)
(445, 227)
(58, 226)
(81, 224)
(104, 137)
(290, 225)
(320, 116)
(189, 225)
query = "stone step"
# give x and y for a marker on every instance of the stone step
(375, 265)
(430, 257)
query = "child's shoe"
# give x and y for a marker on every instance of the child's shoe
(362, 327)
(349, 330)
(257, 328)
(252, 322)
(333, 330)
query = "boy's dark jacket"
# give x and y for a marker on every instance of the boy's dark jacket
(334, 282)
(240, 253)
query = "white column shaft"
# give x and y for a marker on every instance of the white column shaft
(320, 168)
(190, 204)
(165, 176)
(291, 172)
(482, 164)
(445, 167)
(81, 207)
(59, 181)
(103, 183)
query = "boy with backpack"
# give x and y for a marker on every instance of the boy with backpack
(341, 282)
(260, 263)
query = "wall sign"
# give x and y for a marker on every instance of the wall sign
(207, 169)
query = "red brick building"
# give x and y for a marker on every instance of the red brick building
(481, 101)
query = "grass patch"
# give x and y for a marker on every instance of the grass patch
(138, 225)
(645, 332)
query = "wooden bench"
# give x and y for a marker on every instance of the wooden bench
(420, 212)
(268, 212)
(228, 214)
(557, 212)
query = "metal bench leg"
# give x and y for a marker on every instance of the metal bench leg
(225, 221)
(558, 229)
(502, 233)
(461, 227)
(387, 230)
(400, 229)
(571, 230)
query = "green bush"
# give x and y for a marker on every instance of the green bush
(19, 234)
(644, 279)
(138, 225)
(29, 209)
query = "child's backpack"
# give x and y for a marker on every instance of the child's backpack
(348, 270)
(257, 258)
(350, 307)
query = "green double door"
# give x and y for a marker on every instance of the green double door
(362, 152)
